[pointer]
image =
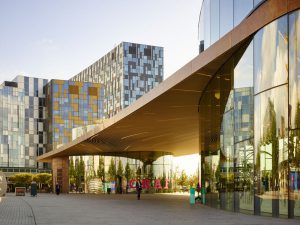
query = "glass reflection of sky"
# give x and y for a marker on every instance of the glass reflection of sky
(294, 64)
(270, 45)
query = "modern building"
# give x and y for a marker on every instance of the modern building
(126, 73)
(236, 104)
(218, 17)
(37, 116)
(22, 124)
(253, 171)
(71, 104)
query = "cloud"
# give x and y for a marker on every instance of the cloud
(46, 45)
(45, 42)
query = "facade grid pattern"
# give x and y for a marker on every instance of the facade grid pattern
(23, 114)
(126, 73)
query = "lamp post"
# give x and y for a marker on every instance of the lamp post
(8, 155)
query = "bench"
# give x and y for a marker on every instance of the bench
(20, 191)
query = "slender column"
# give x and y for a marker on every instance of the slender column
(60, 173)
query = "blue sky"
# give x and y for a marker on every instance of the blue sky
(59, 38)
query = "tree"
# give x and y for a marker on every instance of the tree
(193, 180)
(120, 173)
(72, 173)
(91, 169)
(128, 172)
(43, 179)
(138, 172)
(151, 173)
(112, 170)
(120, 170)
(79, 172)
(163, 180)
(183, 179)
(81, 169)
(21, 179)
(175, 177)
(101, 169)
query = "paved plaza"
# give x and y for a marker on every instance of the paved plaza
(84, 209)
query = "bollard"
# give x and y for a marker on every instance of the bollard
(203, 195)
(192, 196)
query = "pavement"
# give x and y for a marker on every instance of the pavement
(81, 209)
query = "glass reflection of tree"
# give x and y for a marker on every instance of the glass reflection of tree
(209, 175)
(295, 143)
(269, 138)
(226, 177)
(247, 173)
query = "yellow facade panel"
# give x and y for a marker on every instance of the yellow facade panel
(58, 82)
(55, 106)
(93, 91)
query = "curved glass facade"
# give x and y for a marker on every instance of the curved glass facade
(217, 17)
(250, 128)
(120, 173)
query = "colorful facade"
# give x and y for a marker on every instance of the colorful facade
(127, 72)
(71, 104)
(37, 116)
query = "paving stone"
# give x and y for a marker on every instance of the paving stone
(14, 210)
(157, 209)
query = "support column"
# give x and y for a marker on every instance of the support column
(60, 173)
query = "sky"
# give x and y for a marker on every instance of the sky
(56, 39)
(188, 163)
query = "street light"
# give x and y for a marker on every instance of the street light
(8, 155)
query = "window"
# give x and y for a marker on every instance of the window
(93, 91)
(73, 89)
(132, 50)
(147, 52)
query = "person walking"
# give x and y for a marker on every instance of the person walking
(198, 189)
(138, 186)
(57, 188)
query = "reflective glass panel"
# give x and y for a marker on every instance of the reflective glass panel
(271, 55)
(256, 2)
(243, 114)
(211, 178)
(243, 71)
(206, 24)
(294, 68)
(244, 172)
(226, 16)
(271, 124)
(214, 20)
(294, 106)
(241, 10)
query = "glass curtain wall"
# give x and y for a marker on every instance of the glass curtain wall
(121, 173)
(249, 125)
(227, 159)
(218, 17)
(271, 118)
(294, 111)
(22, 117)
